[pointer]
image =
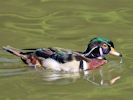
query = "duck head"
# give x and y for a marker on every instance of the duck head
(98, 47)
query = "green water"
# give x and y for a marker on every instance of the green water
(66, 24)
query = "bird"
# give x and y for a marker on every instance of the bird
(60, 59)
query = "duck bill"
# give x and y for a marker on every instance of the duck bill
(115, 53)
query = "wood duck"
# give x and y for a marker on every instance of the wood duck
(97, 49)
(67, 60)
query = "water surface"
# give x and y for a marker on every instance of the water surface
(67, 24)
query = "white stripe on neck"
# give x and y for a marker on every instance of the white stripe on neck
(101, 52)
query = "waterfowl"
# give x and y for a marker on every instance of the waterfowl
(92, 58)
(66, 60)
(59, 59)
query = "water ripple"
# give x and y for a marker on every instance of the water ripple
(13, 72)
(7, 60)
(59, 77)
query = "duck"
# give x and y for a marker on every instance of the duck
(66, 60)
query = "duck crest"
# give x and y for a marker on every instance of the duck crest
(99, 40)
(95, 47)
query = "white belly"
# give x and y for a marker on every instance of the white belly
(72, 66)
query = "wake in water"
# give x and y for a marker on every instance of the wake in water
(7, 60)
(60, 77)
(13, 72)
(105, 76)
(110, 74)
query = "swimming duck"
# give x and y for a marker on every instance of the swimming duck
(66, 60)
(97, 49)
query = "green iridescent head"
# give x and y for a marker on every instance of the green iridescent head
(99, 40)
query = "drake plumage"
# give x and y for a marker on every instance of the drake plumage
(97, 48)
(58, 59)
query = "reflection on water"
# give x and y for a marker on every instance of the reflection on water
(59, 77)
(111, 70)
(67, 24)
(105, 75)
(12, 72)
(8, 60)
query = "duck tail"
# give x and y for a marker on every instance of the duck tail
(13, 51)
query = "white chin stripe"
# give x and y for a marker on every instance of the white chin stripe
(99, 57)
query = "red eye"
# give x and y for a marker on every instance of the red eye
(104, 45)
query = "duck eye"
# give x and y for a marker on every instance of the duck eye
(105, 46)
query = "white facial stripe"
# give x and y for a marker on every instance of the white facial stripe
(87, 54)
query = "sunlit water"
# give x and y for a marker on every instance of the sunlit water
(67, 24)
